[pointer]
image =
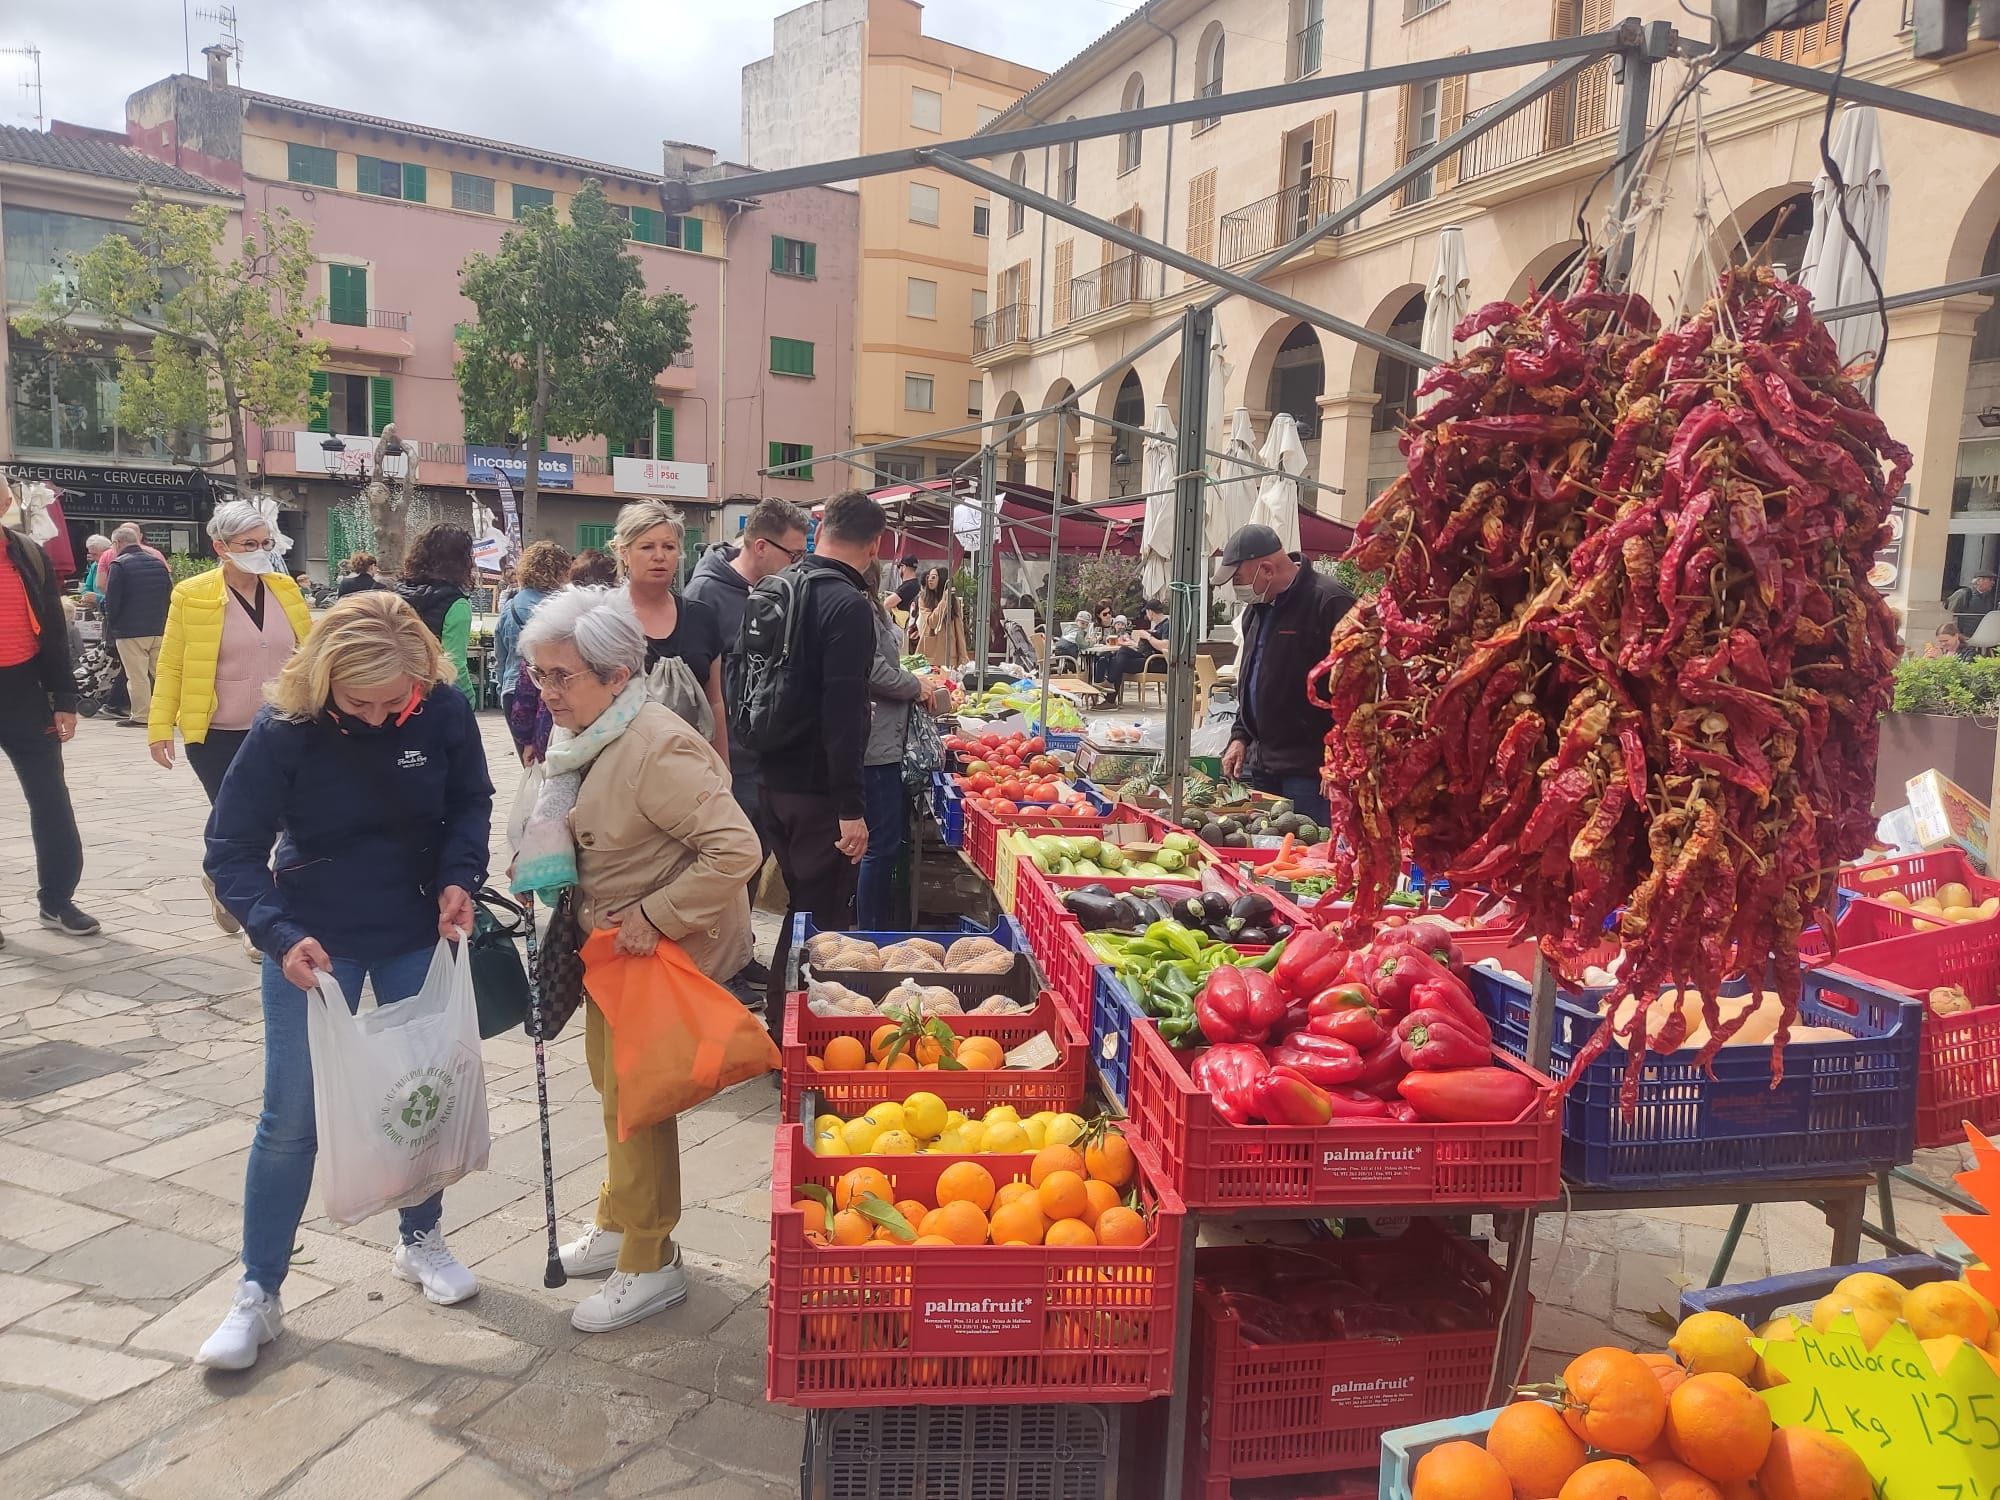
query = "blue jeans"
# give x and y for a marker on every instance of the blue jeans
(281, 1155)
(1307, 799)
(886, 812)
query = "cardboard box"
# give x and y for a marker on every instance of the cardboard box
(1948, 816)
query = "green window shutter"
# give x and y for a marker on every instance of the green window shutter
(776, 458)
(367, 175)
(778, 254)
(314, 165)
(808, 265)
(416, 183)
(792, 357)
(593, 534)
(691, 235)
(322, 390)
(646, 226)
(613, 448)
(381, 403)
(347, 295)
(663, 433)
(807, 471)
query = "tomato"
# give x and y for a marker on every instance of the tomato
(980, 783)
(1001, 808)
(1035, 746)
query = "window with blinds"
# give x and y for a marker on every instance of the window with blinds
(1808, 46)
(347, 295)
(471, 193)
(791, 257)
(526, 198)
(792, 357)
(313, 165)
(1201, 218)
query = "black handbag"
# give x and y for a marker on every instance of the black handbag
(559, 968)
(499, 979)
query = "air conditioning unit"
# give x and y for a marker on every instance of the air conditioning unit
(1738, 22)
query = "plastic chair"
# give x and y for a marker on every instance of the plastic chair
(1153, 673)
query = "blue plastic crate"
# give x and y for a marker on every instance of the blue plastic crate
(948, 807)
(1113, 1014)
(1006, 932)
(1756, 1302)
(1057, 739)
(1845, 1108)
(1403, 1446)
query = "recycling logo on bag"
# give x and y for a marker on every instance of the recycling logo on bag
(420, 1103)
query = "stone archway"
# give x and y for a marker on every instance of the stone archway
(1779, 218)
(1549, 269)
(1011, 439)
(1129, 410)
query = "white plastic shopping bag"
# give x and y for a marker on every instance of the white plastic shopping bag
(399, 1091)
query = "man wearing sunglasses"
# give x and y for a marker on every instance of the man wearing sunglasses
(773, 538)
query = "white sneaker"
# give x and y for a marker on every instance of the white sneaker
(628, 1297)
(593, 1253)
(254, 1319)
(220, 912)
(426, 1261)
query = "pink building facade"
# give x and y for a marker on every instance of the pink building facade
(395, 209)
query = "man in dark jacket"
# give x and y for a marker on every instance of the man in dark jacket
(1279, 736)
(138, 587)
(811, 789)
(37, 718)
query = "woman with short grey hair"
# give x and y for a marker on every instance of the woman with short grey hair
(634, 813)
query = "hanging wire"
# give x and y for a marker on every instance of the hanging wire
(1832, 170)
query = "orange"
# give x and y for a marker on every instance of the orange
(814, 1212)
(1678, 1482)
(1608, 1479)
(1012, 1192)
(1616, 1401)
(1460, 1471)
(928, 1224)
(883, 1039)
(1669, 1371)
(1121, 1226)
(845, 1053)
(1055, 1159)
(1536, 1448)
(902, 1063)
(817, 1064)
(934, 1239)
(1019, 1223)
(1806, 1464)
(962, 1223)
(1069, 1232)
(849, 1228)
(928, 1051)
(1102, 1195)
(980, 1053)
(1062, 1195)
(1719, 1427)
(912, 1210)
(1110, 1160)
(860, 1183)
(965, 1180)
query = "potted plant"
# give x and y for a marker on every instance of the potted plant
(1943, 719)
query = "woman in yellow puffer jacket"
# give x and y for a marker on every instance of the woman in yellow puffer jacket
(224, 641)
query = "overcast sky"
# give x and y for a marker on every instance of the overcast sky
(603, 79)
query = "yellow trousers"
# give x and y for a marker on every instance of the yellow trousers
(641, 1197)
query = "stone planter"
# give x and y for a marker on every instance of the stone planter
(1959, 747)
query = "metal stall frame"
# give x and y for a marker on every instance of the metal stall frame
(1638, 46)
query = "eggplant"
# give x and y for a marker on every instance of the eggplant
(1098, 911)
(1255, 937)
(1252, 909)
(1216, 906)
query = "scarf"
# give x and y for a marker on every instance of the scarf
(545, 863)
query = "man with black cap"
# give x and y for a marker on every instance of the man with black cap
(1973, 604)
(1279, 738)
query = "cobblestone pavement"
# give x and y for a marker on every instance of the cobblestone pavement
(121, 1199)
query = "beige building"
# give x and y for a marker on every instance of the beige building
(849, 77)
(1067, 305)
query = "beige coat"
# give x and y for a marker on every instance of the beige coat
(655, 823)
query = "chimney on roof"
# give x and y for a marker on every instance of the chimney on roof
(218, 55)
(681, 162)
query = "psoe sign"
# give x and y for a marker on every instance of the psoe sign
(653, 476)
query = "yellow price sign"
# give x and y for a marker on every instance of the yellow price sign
(1923, 1435)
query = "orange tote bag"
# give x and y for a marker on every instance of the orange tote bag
(677, 1037)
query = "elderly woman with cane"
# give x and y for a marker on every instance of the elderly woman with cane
(634, 811)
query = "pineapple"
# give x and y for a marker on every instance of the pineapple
(1198, 790)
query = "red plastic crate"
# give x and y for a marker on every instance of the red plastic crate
(982, 830)
(1038, 902)
(1071, 965)
(1918, 876)
(994, 1323)
(1029, 1089)
(1213, 1164)
(1863, 922)
(1958, 1064)
(1466, 909)
(1323, 1404)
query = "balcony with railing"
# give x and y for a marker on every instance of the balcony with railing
(384, 334)
(1000, 329)
(1307, 48)
(1260, 227)
(1571, 128)
(679, 375)
(1127, 284)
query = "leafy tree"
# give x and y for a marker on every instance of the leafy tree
(568, 342)
(228, 346)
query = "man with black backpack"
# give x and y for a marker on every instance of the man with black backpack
(807, 643)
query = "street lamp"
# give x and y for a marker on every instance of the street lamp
(394, 462)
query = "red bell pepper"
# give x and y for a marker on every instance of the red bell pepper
(1451, 996)
(1312, 961)
(1227, 1074)
(1353, 1104)
(1398, 973)
(1401, 1112)
(1382, 1065)
(1468, 1095)
(1434, 938)
(1239, 1005)
(1433, 1040)
(1285, 1096)
(1360, 1029)
(1327, 1062)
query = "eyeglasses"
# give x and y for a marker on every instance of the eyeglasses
(789, 552)
(267, 545)
(560, 681)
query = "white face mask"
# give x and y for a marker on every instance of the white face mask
(255, 562)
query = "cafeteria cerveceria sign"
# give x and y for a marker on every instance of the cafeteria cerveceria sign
(162, 493)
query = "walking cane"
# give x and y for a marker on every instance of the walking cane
(553, 1275)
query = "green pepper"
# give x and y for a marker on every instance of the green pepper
(1176, 937)
(1269, 961)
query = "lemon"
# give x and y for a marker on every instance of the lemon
(1064, 1129)
(1869, 1323)
(1874, 1289)
(827, 1122)
(973, 1134)
(924, 1115)
(1037, 1131)
(895, 1143)
(953, 1119)
(1783, 1330)
(888, 1116)
(951, 1143)
(859, 1135)
(1714, 1342)
(828, 1143)
(1992, 1313)
(1000, 1112)
(1941, 1307)
(1007, 1137)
